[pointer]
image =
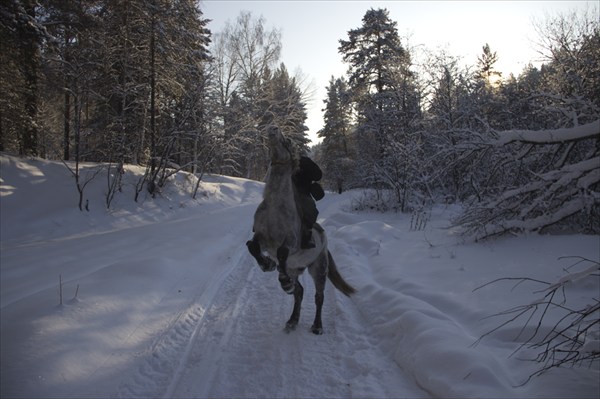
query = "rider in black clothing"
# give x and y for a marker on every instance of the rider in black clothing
(305, 179)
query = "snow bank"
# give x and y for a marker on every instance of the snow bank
(423, 340)
(415, 288)
(39, 199)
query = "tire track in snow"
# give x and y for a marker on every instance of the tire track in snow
(242, 350)
(163, 362)
(229, 342)
(215, 330)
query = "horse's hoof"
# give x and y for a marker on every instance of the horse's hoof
(290, 326)
(269, 266)
(288, 289)
(287, 284)
(317, 330)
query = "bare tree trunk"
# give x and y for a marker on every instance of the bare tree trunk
(67, 124)
(152, 96)
(67, 102)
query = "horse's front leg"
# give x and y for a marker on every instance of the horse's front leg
(318, 271)
(295, 317)
(266, 264)
(287, 283)
(317, 327)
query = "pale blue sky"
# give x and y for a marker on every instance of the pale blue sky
(311, 31)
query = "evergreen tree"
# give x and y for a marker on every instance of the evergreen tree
(487, 90)
(71, 71)
(386, 102)
(282, 104)
(336, 150)
(373, 52)
(485, 65)
(522, 112)
(20, 71)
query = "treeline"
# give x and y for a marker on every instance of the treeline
(145, 82)
(521, 152)
(139, 81)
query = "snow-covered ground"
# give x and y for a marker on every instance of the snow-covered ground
(161, 299)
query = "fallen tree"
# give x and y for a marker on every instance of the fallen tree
(559, 181)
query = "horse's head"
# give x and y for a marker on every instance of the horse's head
(281, 148)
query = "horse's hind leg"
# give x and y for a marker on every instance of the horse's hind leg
(287, 283)
(318, 271)
(266, 264)
(295, 317)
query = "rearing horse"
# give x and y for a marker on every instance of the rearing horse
(277, 235)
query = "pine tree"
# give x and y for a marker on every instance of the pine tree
(373, 52)
(487, 90)
(485, 65)
(386, 102)
(20, 73)
(336, 152)
(282, 104)
(71, 66)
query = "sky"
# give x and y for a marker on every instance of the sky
(311, 31)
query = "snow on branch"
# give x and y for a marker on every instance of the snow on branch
(551, 136)
(557, 181)
(546, 200)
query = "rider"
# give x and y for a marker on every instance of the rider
(305, 180)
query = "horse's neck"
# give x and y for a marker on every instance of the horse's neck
(279, 178)
(279, 220)
(279, 184)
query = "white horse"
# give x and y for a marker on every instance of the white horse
(277, 235)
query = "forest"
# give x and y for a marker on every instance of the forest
(146, 82)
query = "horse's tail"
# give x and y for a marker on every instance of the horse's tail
(336, 278)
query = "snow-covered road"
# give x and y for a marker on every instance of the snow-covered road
(173, 309)
(238, 346)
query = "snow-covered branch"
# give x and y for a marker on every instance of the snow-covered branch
(551, 136)
(551, 191)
